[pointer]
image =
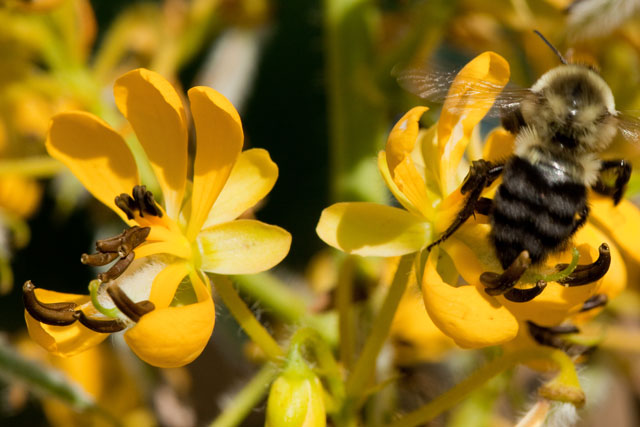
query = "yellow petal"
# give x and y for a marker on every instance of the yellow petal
(154, 109)
(219, 141)
(470, 97)
(414, 335)
(471, 317)
(63, 340)
(173, 336)
(96, 154)
(399, 148)
(403, 137)
(242, 247)
(251, 179)
(372, 230)
(621, 223)
(499, 145)
(166, 282)
(386, 175)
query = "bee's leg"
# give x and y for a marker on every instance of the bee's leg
(581, 219)
(481, 174)
(484, 206)
(497, 284)
(622, 170)
(589, 273)
(598, 300)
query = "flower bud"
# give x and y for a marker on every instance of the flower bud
(296, 399)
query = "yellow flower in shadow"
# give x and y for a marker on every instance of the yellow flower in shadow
(195, 231)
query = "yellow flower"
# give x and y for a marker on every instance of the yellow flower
(424, 170)
(195, 231)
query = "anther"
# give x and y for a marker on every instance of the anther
(101, 258)
(103, 326)
(150, 205)
(126, 204)
(598, 300)
(497, 284)
(132, 310)
(585, 274)
(525, 295)
(142, 201)
(59, 314)
(117, 269)
(552, 337)
(138, 198)
(132, 238)
(112, 243)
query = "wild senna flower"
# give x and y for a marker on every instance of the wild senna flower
(424, 170)
(193, 232)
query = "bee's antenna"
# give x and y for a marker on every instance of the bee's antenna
(552, 47)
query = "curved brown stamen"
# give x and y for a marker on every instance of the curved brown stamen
(126, 204)
(150, 205)
(552, 337)
(58, 314)
(112, 243)
(142, 201)
(101, 258)
(585, 274)
(98, 325)
(145, 307)
(525, 295)
(117, 269)
(124, 242)
(497, 284)
(138, 198)
(598, 300)
(133, 239)
(129, 308)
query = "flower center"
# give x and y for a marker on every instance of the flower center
(142, 201)
(108, 250)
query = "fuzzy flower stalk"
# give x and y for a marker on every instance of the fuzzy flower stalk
(157, 289)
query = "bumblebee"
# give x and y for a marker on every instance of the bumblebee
(561, 125)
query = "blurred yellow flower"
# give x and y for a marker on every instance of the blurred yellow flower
(103, 376)
(196, 230)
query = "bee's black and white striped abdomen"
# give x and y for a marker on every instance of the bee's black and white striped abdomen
(534, 210)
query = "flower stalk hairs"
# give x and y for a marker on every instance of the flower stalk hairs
(157, 288)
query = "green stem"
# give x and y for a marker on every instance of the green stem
(328, 367)
(357, 120)
(36, 167)
(246, 319)
(50, 382)
(361, 375)
(344, 292)
(455, 395)
(248, 398)
(274, 294)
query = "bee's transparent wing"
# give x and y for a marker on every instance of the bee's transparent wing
(629, 127)
(433, 85)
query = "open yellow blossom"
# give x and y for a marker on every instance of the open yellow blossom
(424, 170)
(195, 231)
(421, 169)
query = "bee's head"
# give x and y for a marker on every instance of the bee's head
(571, 108)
